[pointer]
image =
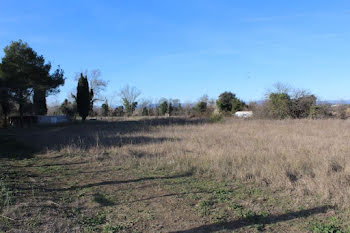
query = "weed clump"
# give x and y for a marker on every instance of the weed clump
(332, 225)
(334, 166)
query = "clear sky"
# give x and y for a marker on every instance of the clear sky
(186, 48)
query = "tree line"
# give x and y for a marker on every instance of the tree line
(26, 79)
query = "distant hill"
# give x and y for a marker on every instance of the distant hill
(318, 102)
(334, 102)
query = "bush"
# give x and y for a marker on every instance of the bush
(280, 104)
(201, 109)
(216, 117)
(228, 102)
(145, 111)
(68, 109)
(321, 111)
(301, 106)
(163, 108)
(105, 109)
(340, 112)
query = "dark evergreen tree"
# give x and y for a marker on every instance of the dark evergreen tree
(225, 101)
(163, 108)
(170, 108)
(24, 71)
(119, 111)
(145, 111)
(238, 105)
(201, 107)
(83, 97)
(45, 84)
(17, 69)
(105, 109)
(6, 105)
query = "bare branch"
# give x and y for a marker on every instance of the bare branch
(129, 93)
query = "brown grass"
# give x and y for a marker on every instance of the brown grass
(138, 174)
(307, 157)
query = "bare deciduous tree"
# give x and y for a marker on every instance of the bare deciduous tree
(129, 96)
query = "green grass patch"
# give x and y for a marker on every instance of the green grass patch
(95, 222)
(113, 228)
(331, 225)
(204, 207)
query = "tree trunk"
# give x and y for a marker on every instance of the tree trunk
(5, 118)
(39, 102)
(21, 114)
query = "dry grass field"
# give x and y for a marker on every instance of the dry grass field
(177, 175)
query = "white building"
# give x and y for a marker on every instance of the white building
(244, 114)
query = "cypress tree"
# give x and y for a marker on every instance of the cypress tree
(83, 97)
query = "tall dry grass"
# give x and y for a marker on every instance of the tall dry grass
(308, 157)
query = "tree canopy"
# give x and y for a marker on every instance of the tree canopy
(228, 102)
(25, 73)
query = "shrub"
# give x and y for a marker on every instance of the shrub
(341, 112)
(170, 108)
(279, 104)
(119, 111)
(68, 109)
(145, 111)
(301, 107)
(163, 108)
(224, 103)
(105, 109)
(216, 117)
(201, 107)
(320, 111)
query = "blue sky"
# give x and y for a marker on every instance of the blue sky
(186, 48)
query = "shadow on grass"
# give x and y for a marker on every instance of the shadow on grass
(103, 200)
(168, 195)
(234, 225)
(115, 182)
(53, 164)
(10, 148)
(91, 134)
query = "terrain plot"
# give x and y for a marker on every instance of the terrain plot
(175, 175)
